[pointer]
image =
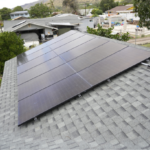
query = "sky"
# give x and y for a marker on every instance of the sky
(14, 3)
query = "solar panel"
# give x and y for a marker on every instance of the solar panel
(82, 49)
(113, 65)
(50, 97)
(95, 55)
(44, 67)
(74, 64)
(43, 81)
(66, 40)
(73, 44)
(26, 65)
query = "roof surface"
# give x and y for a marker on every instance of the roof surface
(113, 115)
(118, 8)
(18, 12)
(44, 21)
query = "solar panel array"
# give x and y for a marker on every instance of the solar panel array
(67, 66)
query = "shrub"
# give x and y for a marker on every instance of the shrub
(107, 33)
(11, 45)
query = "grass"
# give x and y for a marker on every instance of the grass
(147, 45)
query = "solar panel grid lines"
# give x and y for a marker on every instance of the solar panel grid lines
(95, 55)
(35, 62)
(43, 81)
(39, 70)
(113, 65)
(66, 40)
(82, 49)
(73, 44)
(50, 97)
(50, 42)
(74, 70)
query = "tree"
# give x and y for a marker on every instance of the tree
(142, 7)
(40, 10)
(17, 8)
(5, 13)
(11, 45)
(107, 33)
(107, 5)
(72, 4)
(125, 2)
(97, 11)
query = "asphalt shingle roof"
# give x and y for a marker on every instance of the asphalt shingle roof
(113, 115)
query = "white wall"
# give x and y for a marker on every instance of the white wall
(129, 16)
(48, 31)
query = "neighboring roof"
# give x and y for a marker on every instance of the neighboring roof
(119, 8)
(113, 115)
(19, 18)
(27, 23)
(29, 37)
(19, 12)
(44, 21)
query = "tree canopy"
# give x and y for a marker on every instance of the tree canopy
(125, 2)
(40, 10)
(11, 45)
(107, 4)
(5, 13)
(72, 4)
(97, 11)
(143, 9)
(17, 8)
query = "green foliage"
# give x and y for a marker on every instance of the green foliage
(125, 2)
(107, 33)
(5, 13)
(40, 10)
(97, 11)
(143, 9)
(17, 8)
(107, 5)
(11, 45)
(72, 4)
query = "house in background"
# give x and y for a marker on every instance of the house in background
(124, 11)
(17, 14)
(28, 28)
